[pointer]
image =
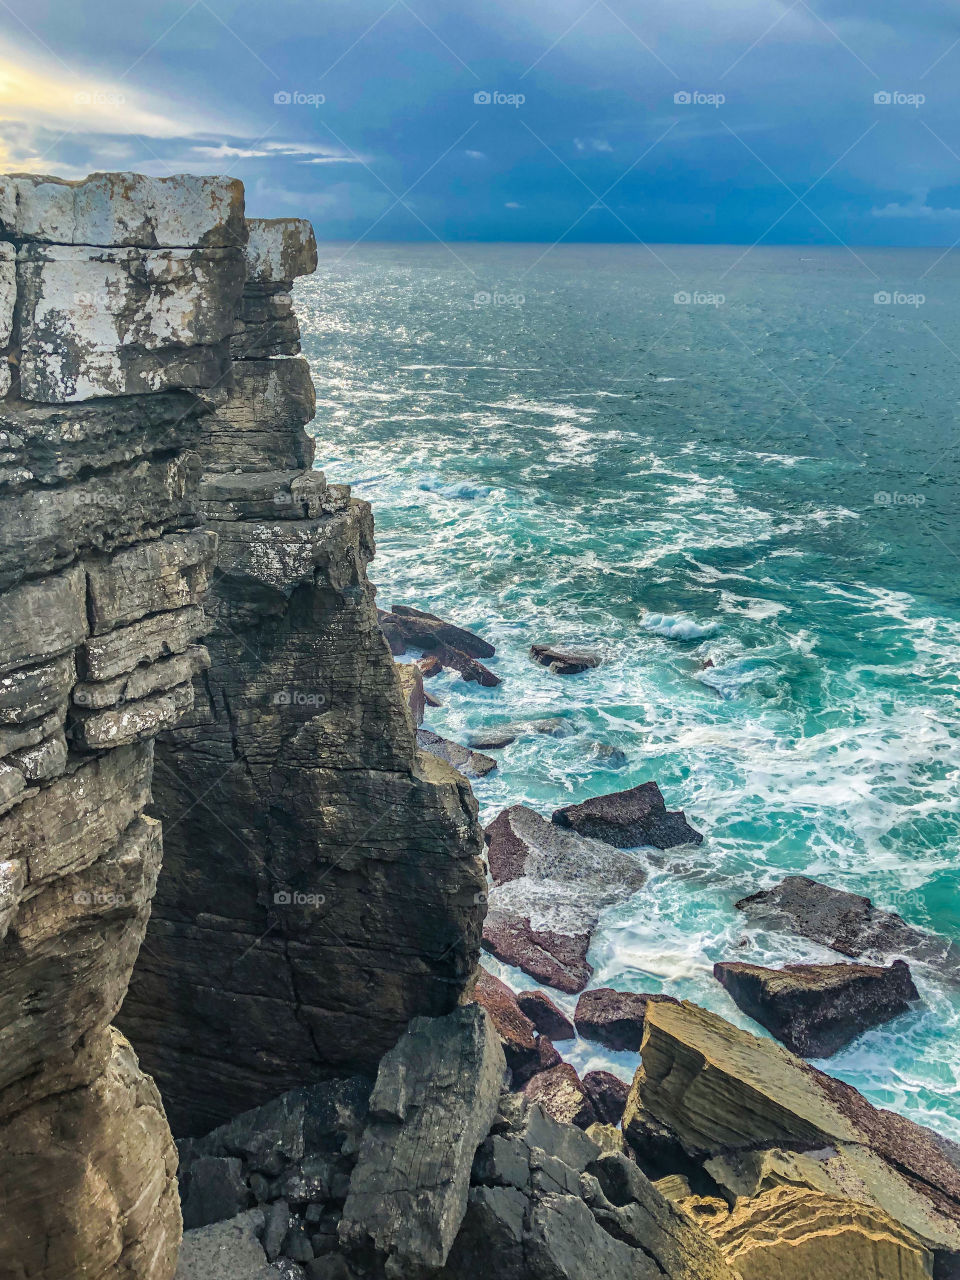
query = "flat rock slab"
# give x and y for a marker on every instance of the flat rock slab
(614, 1018)
(555, 959)
(846, 922)
(520, 842)
(472, 764)
(816, 1009)
(629, 818)
(564, 662)
(118, 209)
(433, 1103)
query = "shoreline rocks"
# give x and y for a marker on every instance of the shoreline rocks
(472, 764)
(564, 662)
(614, 1018)
(817, 1009)
(846, 922)
(443, 643)
(545, 1016)
(630, 818)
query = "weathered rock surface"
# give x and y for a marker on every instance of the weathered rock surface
(614, 1018)
(321, 881)
(517, 1033)
(847, 923)
(629, 818)
(564, 662)
(545, 1016)
(561, 1093)
(726, 1095)
(816, 1009)
(608, 1093)
(433, 1103)
(415, 629)
(226, 1251)
(472, 764)
(550, 888)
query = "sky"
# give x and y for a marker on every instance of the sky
(703, 121)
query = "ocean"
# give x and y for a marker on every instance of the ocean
(672, 456)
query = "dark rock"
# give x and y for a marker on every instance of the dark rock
(556, 959)
(609, 756)
(434, 1101)
(548, 1019)
(608, 1093)
(565, 1241)
(426, 631)
(629, 818)
(296, 1244)
(563, 662)
(492, 739)
(490, 1242)
(472, 764)
(816, 1009)
(517, 1033)
(213, 1190)
(614, 1018)
(429, 667)
(846, 923)
(561, 1093)
(470, 669)
(275, 1228)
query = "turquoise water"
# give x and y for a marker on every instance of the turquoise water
(584, 460)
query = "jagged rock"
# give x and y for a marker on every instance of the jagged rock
(8, 290)
(607, 1136)
(608, 1093)
(134, 722)
(564, 1241)
(794, 1233)
(226, 1251)
(44, 760)
(12, 786)
(816, 1009)
(545, 1016)
(846, 923)
(722, 1091)
(88, 1177)
(213, 1190)
(550, 887)
(470, 669)
(561, 1093)
(517, 1033)
(435, 1098)
(629, 818)
(430, 666)
(419, 630)
(614, 1018)
(31, 692)
(143, 680)
(411, 682)
(472, 764)
(634, 1210)
(111, 209)
(563, 662)
(557, 959)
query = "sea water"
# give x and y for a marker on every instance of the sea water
(734, 475)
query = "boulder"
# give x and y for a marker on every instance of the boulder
(492, 739)
(556, 959)
(724, 1094)
(430, 666)
(548, 1019)
(226, 1251)
(517, 1033)
(847, 923)
(629, 818)
(472, 764)
(608, 1093)
(817, 1009)
(433, 1103)
(614, 1018)
(561, 1094)
(563, 662)
(608, 756)
(213, 1190)
(418, 630)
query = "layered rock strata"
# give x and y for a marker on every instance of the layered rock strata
(322, 882)
(124, 287)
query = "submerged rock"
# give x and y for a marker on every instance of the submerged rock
(550, 887)
(545, 1016)
(614, 1018)
(629, 818)
(846, 923)
(608, 756)
(492, 739)
(816, 1009)
(472, 764)
(563, 662)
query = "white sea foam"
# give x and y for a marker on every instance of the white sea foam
(678, 628)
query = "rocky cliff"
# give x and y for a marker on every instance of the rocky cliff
(321, 881)
(115, 295)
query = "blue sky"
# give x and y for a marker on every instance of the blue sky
(729, 121)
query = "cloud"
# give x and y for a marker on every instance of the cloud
(917, 208)
(592, 144)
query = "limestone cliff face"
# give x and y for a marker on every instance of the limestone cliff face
(117, 286)
(321, 880)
